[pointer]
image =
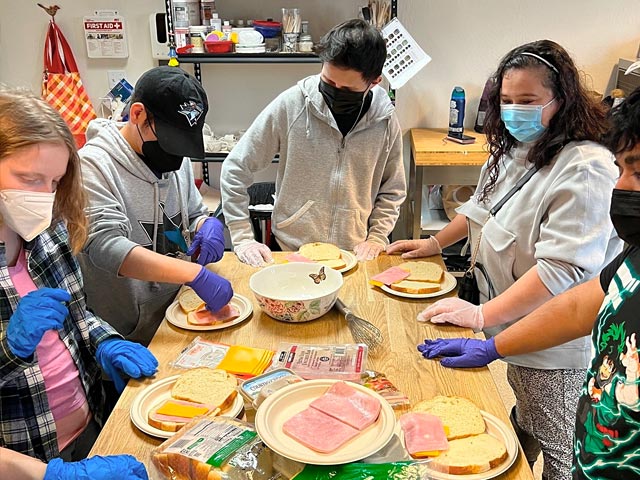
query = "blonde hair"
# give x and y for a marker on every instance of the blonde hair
(26, 120)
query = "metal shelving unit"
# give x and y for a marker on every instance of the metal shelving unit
(196, 59)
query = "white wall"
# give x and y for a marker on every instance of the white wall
(466, 39)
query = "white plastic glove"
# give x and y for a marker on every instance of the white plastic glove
(368, 250)
(456, 311)
(253, 253)
(416, 248)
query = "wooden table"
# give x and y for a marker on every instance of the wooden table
(418, 378)
(440, 162)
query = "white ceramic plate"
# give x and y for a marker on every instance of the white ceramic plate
(448, 284)
(156, 393)
(496, 428)
(175, 315)
(350, 260)
(288, 401)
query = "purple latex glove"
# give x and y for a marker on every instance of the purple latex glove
(461, 352)
(213, 289)
(210, 240)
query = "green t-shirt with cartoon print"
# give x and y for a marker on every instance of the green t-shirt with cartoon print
(607, 435)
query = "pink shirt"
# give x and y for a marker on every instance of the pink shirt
(66, 396)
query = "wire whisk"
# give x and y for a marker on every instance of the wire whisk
(362, 330)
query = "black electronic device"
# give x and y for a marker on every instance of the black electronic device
(464, 139)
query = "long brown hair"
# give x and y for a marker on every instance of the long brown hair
(579, 116)
(27, 120)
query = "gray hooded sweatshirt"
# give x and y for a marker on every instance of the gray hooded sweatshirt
(129, 206)
(329, 188)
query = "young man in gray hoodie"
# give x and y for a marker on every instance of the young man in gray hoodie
(340, 175)
(144, 208)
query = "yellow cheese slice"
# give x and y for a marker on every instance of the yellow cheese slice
(185, 411)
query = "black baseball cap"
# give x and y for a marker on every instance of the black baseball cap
(179, 106)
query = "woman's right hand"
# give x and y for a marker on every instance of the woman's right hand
(37, 312)
(415, 248)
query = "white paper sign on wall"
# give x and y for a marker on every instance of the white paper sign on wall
(405, 58)
(105, 35)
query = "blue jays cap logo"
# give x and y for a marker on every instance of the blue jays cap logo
(192, 111)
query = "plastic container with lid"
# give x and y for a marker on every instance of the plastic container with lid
(305, 43)
(185, 13)
(197, 34)
(216, 22)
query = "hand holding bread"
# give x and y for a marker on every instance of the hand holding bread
(415, 248)
(212, 288)
(456, 311)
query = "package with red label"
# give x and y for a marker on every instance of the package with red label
(342, 362)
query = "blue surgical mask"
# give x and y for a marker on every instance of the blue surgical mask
(524, 122)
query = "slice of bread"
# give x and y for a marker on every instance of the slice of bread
(320, 251)
(189, 301)
(206, 385)
(423, 271)
(335, 264)
(475, 454)
(461, 416)
(408, 286)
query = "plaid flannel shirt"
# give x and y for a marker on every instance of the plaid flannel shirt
(26, 421)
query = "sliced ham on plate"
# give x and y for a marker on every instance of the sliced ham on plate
(318, 431)
(296, 257)
(389, 276)
(205, 317)
(424, 434)
(348, 405)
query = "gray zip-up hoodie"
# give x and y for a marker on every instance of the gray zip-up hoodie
(128, 207)
(328, 188)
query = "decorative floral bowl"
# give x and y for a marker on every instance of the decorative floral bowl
(296, 292)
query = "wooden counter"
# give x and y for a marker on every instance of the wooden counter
(396, 317)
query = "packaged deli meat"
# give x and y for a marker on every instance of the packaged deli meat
(341, 362)
(214, 448)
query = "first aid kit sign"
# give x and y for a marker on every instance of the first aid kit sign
(105, 36)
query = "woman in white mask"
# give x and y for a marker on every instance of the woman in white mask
(51, 347)
(537, 225)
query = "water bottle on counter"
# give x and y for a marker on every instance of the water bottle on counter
(456, 112)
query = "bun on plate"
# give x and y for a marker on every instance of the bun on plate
(320, 251)
(171, 415)
(206, 385)
(469, 455)
(423, 271)
(461, 416)
(335, 264)
(408, 286)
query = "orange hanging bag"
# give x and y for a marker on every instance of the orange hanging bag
(62, 87)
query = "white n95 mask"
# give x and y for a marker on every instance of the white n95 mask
(26, 213)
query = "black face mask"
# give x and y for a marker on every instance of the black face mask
(625, 215)
(156, 158)
(341, 102)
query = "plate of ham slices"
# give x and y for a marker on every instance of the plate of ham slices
(238, 310)
(325, 422)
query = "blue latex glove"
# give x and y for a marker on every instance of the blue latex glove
(213, 289)
(37, 312)
(115, 355)
(210, 240)
(461, 352)
(121, 467)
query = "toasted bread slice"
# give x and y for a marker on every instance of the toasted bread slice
(423, 271)
(408, 286)
(469, 455)
(320, 251)
(335, 264)
(461, 416)
(206, 385)
(189, 301)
